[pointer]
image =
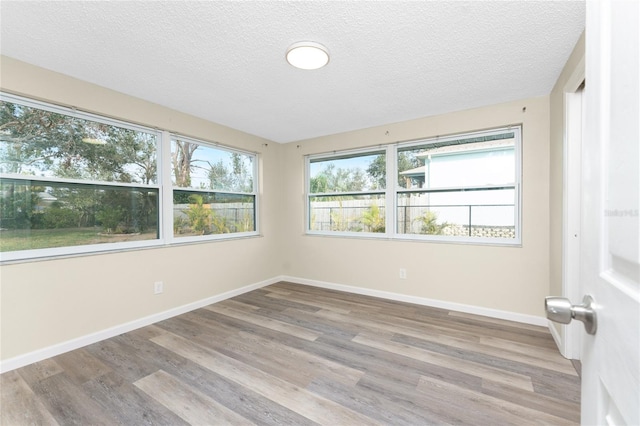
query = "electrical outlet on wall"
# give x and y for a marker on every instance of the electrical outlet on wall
(158, 287)
(403, 273)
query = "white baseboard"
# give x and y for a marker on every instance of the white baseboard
(459, 307)
(69, 345)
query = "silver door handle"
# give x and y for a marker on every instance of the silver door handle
(560, 309)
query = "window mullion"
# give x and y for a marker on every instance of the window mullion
(390, 194)
(166, 200)
(308, 195)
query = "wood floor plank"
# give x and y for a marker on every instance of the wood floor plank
(554, 406)
(81, 366)
(128, 404)
(231, 303)
(191, 405)
(489, 373)
(258, 298)
(20, 406)
(388, 365)
(296, 355)
(245, 402)
(319, 304)
(549, 355)
(262, 321)
(387, 408)
(40, 370)
(354, 301)
(336, 301)
(118, 358)
(207, 326)
(479, 319)
(511, 332)
(248, 352)
(313, 322)
(504, 411)
(299, 361)
(146, 332)
(294, 365)
(406, 397)
(562, 385)
(68, 403)
(371, 322)
(313, 407)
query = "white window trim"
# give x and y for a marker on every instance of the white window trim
(172, 239)
(53, 179)
(393, 189)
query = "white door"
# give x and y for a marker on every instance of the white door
(610, 244)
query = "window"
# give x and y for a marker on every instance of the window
(213, 189)
(347, 192)
(72, 182)
(463, 188)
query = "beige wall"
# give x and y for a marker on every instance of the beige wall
(504, 278)
(48, 302)
(573, 67)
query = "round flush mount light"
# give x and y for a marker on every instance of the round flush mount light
(307, 55)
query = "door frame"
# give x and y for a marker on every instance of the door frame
(571, 343)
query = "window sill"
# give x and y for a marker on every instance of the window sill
(158, 245)
(418, 239)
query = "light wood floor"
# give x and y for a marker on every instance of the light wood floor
(297, 355)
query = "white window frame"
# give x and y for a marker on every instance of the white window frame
(393, 190)
(163, 186)
(516, 186)
(171, 188)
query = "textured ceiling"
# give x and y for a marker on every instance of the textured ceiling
(224, 61)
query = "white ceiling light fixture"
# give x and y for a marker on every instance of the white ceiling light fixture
(307, 55)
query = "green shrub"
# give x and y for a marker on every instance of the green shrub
(373, 220)
(56, 217)
(429, 224)
(199, 215)
(110, 217)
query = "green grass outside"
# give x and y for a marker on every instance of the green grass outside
(29, 239)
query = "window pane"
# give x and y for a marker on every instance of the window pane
(206, 213)
(476, 161)
(43, 143)
(199, 166)
(36, 215)
(483, 213)
(364, 213)
(363, 172)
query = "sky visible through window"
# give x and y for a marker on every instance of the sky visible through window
(353, 163)
(207, 158)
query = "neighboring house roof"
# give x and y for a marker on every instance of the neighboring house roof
(467, 147)
(456, 149)
(414, 173)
